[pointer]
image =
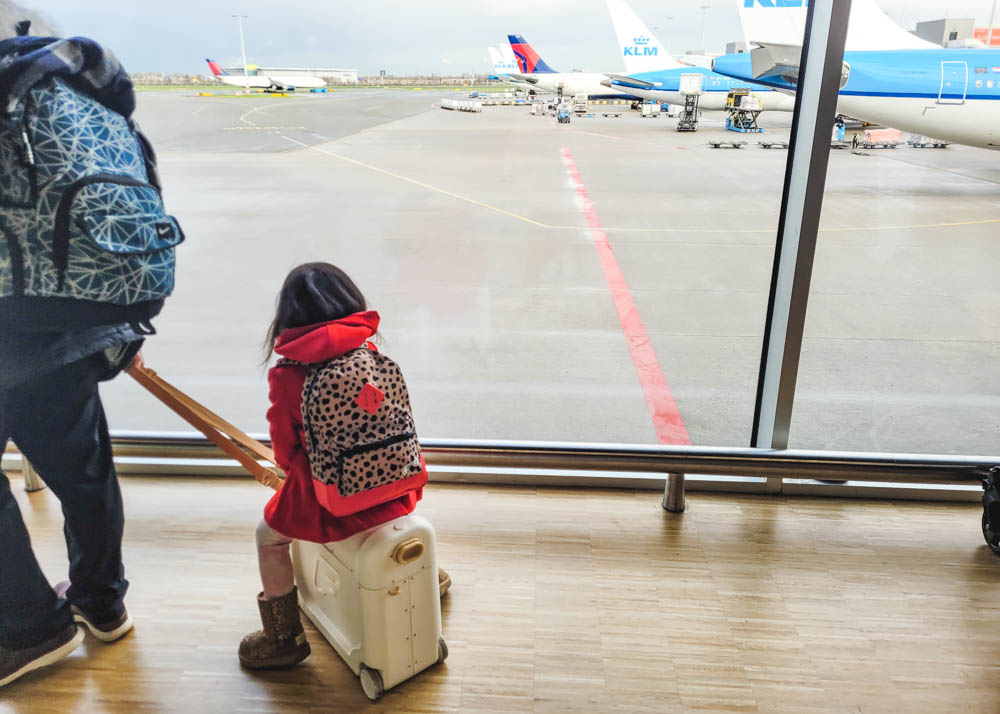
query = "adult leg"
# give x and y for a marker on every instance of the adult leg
(58, 422)
(30, 613)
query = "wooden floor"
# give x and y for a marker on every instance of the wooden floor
(582, 601)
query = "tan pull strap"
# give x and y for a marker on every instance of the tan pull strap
(219, 431)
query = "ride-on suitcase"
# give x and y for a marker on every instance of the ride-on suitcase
(375, 597)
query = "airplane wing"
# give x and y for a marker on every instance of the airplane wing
(780, 63)
(524, 78)
(626, 81)
(773, 61)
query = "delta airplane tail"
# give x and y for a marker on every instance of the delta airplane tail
(216, 69)
(641, 51)
(783, 22)
(528, 60)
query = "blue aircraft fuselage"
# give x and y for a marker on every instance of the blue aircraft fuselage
(665, 85)
(949, 94)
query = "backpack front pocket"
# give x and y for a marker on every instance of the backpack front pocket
(368, 466)
(113, 242)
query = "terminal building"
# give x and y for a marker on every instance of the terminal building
(330, 76)
(956, 32)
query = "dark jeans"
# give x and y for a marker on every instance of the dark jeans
(58, 423)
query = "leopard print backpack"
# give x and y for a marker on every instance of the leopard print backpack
(359, 432)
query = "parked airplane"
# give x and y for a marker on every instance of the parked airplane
(535, 71)
(654, 74)
(946, 94)
(268, 78)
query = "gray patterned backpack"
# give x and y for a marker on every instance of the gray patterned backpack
(359, 432)
(83, 233)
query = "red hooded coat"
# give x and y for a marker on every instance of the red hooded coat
(294, 510)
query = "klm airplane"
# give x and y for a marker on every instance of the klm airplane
(889, 76)
(652, 73)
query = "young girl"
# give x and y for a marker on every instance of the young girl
(321, 315)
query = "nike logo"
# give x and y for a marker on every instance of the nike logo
(164, 230)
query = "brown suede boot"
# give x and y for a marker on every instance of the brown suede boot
(282, 643)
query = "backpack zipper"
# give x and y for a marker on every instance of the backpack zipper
(375, 445)
(29, 153)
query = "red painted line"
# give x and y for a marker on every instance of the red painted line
(667, 421)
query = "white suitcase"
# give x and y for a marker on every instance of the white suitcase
(375, 597)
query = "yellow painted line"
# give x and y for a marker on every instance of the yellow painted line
(244, 119)
(539, 224)
(421, 184)
(852, 229)
(913, 227)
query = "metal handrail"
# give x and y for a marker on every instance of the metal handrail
(652, 459)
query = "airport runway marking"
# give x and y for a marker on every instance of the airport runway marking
(667, 420)
(682, 231)
(243, 117)
(421, 184)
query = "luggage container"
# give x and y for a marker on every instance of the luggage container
(650, 109)
(375, 597)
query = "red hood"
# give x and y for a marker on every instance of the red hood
(322, 342)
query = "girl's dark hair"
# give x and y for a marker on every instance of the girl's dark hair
(313, 293)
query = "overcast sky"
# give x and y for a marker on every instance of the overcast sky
(440, 36)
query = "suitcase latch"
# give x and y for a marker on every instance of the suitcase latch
(408, 551)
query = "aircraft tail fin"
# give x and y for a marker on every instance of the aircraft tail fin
(494, 59)
(216, 69)
(501, 64)
(528, 60)
(872, 29)
(640, 49)
(769, 22)
(765, 24)
(508, 55)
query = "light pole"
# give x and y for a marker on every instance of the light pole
(989, 28)
(704, 10)
(243, 47)
(667, 27)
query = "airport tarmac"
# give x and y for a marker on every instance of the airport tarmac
(601, 281)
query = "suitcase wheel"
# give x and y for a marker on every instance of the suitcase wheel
(992, 537)
(371, 682)
(442, 649)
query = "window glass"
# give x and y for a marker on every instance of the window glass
(902, 334)
(601, 280)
